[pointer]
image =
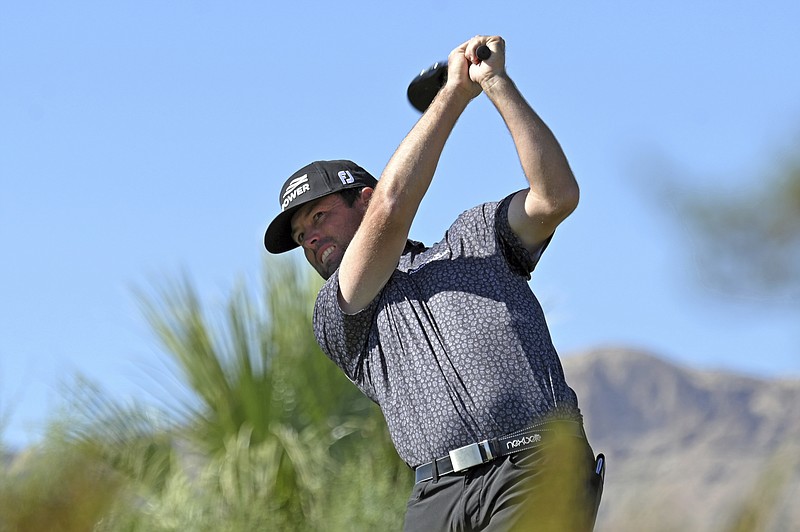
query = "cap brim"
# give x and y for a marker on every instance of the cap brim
(278, 236)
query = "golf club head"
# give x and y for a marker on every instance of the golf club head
(424, 87)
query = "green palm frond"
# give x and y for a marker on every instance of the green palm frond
(134, 440)
(256, 363)
(268, 434)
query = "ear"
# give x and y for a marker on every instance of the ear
(366, 194)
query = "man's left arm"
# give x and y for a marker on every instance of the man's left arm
(553, 194)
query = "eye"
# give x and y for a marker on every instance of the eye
(317, 216)
(299, 239)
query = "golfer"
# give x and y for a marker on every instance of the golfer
(449, 340)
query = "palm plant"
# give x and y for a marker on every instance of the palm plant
(238, 367)
(269, 435)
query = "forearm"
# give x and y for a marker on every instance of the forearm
(543, 161)
(409, 173)
(376, 247)
(553, 192)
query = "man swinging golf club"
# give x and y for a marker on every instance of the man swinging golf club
(449, 339)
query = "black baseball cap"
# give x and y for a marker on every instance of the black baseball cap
(311, 182)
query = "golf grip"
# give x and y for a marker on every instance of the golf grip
(483, 52)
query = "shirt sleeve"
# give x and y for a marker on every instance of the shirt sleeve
(344, 338)
(519, 259)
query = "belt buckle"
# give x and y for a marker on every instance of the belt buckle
(470, 455)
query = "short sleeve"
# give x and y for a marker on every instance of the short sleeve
(519, 259)
(343, 337)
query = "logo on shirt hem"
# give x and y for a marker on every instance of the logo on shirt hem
(525, 440)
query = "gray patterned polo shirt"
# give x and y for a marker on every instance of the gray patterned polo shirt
(455, 348)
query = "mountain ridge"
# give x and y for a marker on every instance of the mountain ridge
(686, 446)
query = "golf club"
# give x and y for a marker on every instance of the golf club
(424, 87)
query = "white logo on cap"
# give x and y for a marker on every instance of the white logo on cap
(296, 187)
(346, 177)
(296, 182)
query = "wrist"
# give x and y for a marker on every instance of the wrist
(452, 94)
(496, 84)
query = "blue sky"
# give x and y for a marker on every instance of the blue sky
(140, 140)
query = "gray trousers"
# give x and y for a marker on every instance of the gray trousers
(549, 488)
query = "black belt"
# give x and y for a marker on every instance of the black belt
(474, 454)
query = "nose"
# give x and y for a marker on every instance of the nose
(310, 238)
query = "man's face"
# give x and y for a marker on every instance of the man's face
(324, 229)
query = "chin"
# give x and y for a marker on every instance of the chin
(326, 270)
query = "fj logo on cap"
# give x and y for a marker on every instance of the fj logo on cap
(346, 177)
(295, 188)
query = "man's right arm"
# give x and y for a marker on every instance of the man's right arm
(375, 250)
